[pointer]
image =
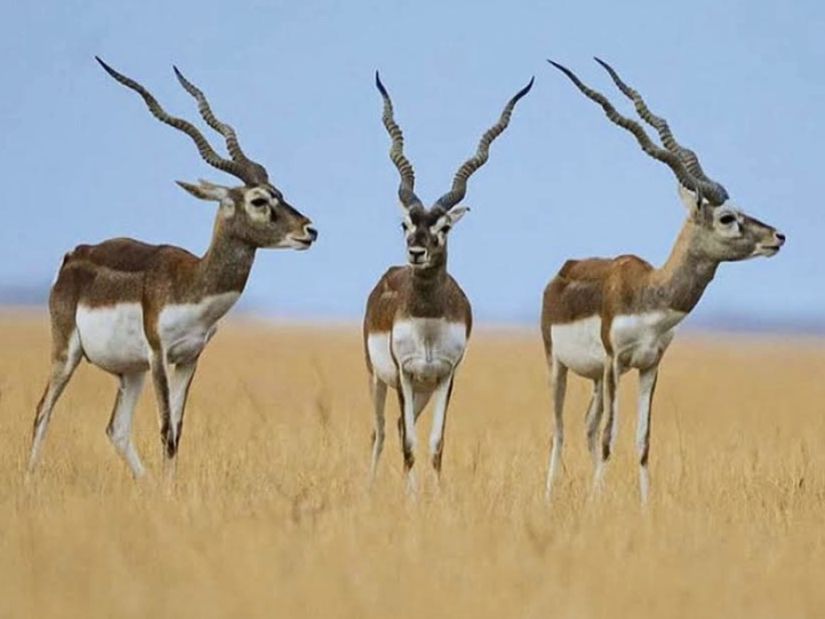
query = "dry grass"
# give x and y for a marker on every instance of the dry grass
(271, 517)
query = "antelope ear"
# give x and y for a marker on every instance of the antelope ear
(700, 213)
(205, 190)
(454, 214)
(405, 213)
(689, 200)
(688, 197)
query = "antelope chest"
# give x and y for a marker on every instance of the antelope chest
(426, 349)
(185, 329)
(114, 339)
(641, 340)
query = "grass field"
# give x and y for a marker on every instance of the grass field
(271, 516)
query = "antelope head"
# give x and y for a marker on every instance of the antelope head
(255, 212)
(722, 231)
(426, 229)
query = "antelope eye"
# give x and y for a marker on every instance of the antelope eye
(727, 219)
(260, 202)
(446, 229)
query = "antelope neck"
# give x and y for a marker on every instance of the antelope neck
(682, 280)
(226, 265)
(426, 299)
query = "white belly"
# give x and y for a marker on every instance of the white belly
(578, 346)
(428, 349)
(112, 337)
(383, 365)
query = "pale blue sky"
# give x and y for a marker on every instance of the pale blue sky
(741, 82)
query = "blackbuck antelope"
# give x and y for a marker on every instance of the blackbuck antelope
(418, 319)
(603, 317)
(129, 307)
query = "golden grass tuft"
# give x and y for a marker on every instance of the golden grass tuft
(271, 516)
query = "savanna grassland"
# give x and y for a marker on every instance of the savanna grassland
(271, 516)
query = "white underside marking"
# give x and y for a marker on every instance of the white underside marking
(185, 329)
(378, 348)
(428, 349)
(578, 345)
(639, 341)
(113, 338)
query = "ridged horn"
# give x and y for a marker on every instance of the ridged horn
(406, 187)
(669, 158)
(206, 151)
(459, 188)
(712, 190)
(226, 130)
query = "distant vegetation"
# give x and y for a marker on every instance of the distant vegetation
(33, 295)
